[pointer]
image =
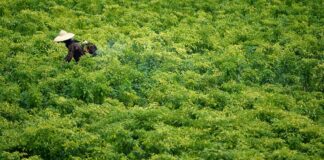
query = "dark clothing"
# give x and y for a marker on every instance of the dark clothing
(76, 50)
(89, 47)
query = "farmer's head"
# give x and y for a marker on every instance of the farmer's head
(63, 36)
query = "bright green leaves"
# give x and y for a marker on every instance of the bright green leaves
(173, 80)
(13, 113)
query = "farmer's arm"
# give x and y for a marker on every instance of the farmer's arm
(91, 48)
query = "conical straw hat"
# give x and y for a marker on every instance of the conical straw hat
(63, 35)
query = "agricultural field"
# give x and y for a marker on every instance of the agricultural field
(174, 79)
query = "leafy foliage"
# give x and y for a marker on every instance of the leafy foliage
(183, 79)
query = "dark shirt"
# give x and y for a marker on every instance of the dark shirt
(74, 50)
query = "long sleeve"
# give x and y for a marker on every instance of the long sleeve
(92, 49)
(69, 56)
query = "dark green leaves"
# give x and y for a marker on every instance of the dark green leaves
(210, 79)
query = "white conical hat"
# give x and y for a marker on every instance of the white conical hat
(63, 35)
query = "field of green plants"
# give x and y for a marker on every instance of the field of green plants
(174, 79)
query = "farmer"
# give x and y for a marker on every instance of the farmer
(75, 49)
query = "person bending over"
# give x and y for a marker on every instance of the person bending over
(75, 48)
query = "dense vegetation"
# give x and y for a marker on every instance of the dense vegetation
(210, 79)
